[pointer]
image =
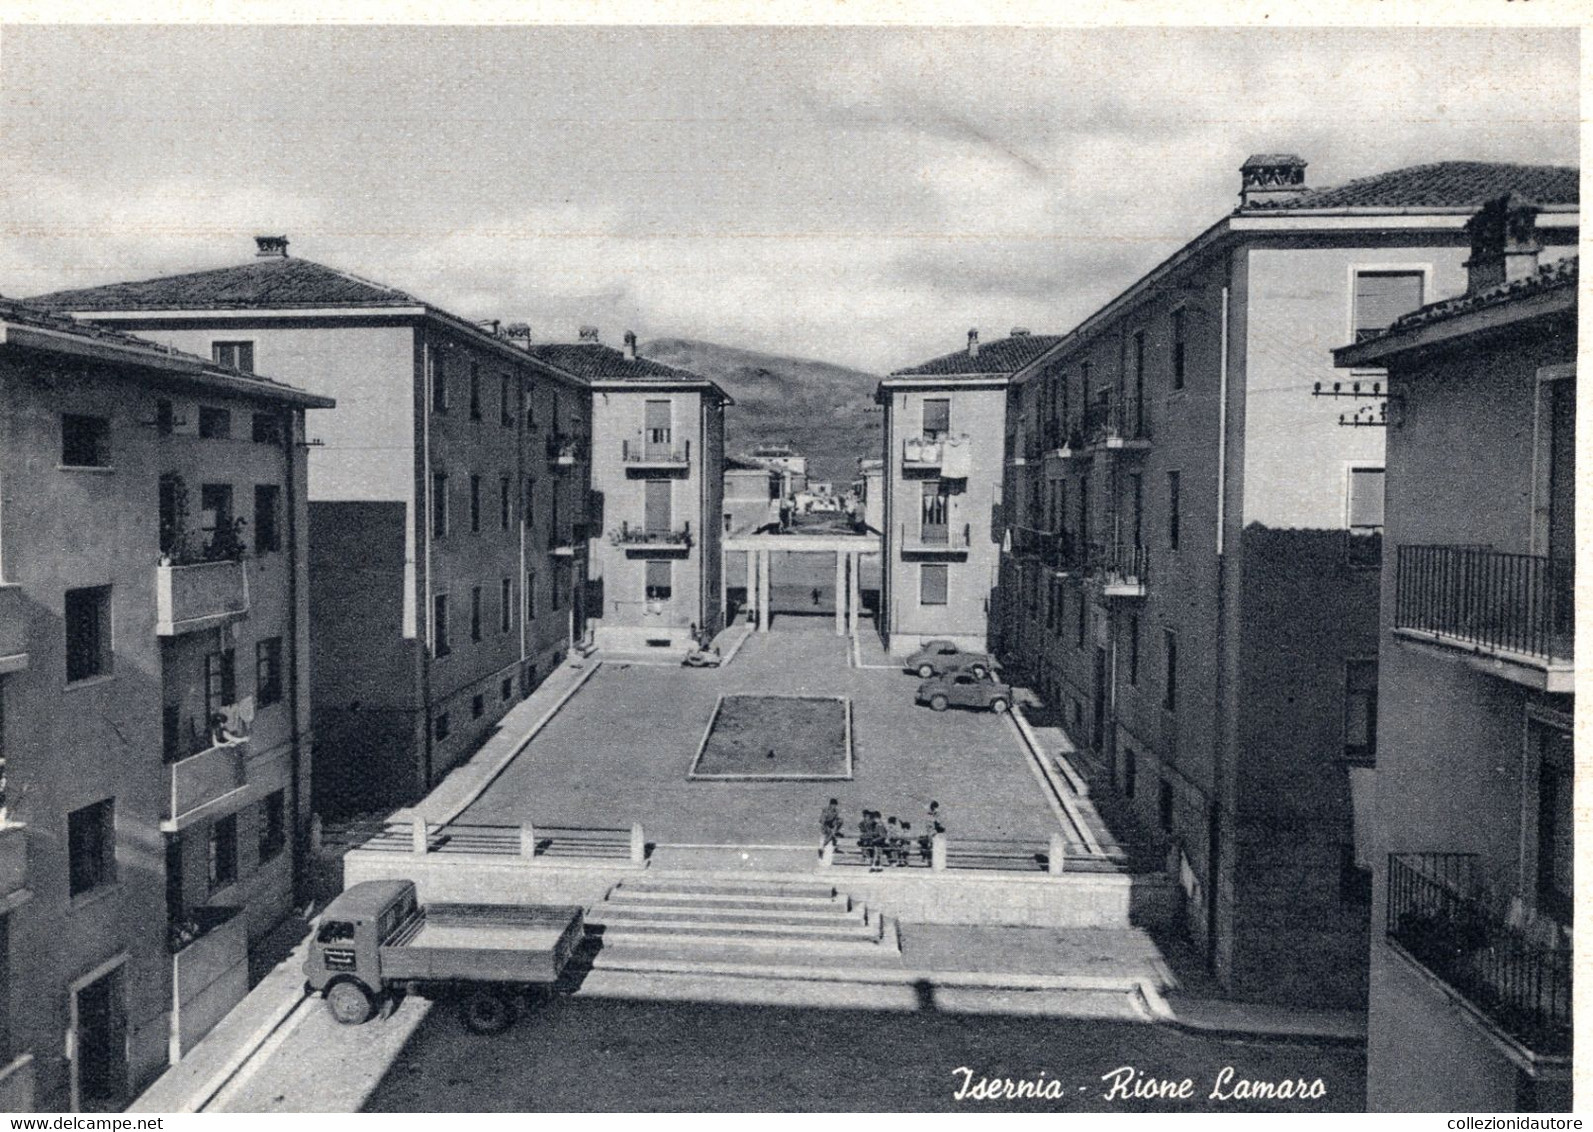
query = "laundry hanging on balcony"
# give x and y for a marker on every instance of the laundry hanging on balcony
(956, 459)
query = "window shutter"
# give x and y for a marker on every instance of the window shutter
(937, 416)
(657, 414)
(1366, 497)
(932, 584)
(1382, 296)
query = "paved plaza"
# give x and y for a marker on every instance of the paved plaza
(620, 750)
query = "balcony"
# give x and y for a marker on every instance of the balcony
(934, 454)
(1120, 571)
(571, 541)
(935, 541)
(565, 450)
(1514, 972)
(1106, 426)
(210, 972)
(201, 596)
(1509, 615)
(644, 456)
(197, 782)
(14, 890)
(645, 540)
(1061, 553)
(13, 629)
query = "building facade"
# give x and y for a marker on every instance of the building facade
(444, 493)
(942, 488)
(1470, 1005)
(751, 496)
(657, 496)
(154, 699)
(1194, 547)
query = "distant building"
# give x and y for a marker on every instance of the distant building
(443, 494)
(869, 489)
(1473, 835)
(752, 495)
(154, 699)
(657, 487)
(1194, 548)
(785, 459)
(943, 489)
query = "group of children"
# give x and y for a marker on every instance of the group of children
(884, 841)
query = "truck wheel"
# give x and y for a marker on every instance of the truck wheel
(349, 1003)
(925, 671)
(998, 705)
(938, 702)
(486, 1012)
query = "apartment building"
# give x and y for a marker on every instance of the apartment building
(445, 492)
(1195, 543)
(657, 498)
(1472, 838)
(154, 699)
(751, 495)
(942, 487)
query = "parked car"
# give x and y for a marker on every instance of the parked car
(939, 657)
(965, 689)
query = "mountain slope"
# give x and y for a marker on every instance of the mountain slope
(822, 410)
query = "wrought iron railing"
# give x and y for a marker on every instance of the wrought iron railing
(627, 535)
(1112, 562)
(641, 452)
(1522, 983)
(937, 536)
(1061, 551)
(1105, 421)
(1519, 603)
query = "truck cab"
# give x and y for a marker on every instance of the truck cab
(347, 945)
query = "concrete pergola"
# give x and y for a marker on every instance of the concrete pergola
(848, 549)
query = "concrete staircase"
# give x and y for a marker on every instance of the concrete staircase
(708, 919)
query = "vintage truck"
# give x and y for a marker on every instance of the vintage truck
(376, 940)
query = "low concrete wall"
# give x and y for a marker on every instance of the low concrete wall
(1007, 899)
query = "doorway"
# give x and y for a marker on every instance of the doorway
(99, 1042)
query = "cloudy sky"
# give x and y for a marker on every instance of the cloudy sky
(860, 196)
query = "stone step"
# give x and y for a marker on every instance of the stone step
(707, 900)
(753, 929)
(706, 943)
(611, 911)
(727, 886)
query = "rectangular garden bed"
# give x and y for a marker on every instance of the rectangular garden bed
(776, 738)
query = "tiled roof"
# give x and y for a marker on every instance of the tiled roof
(267, 283)
(594, 361)
(1444, 184)
(1560, 273)
(1003, 356)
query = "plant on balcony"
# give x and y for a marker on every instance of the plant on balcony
(182, 546)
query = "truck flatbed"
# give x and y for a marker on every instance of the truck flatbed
(483, 943)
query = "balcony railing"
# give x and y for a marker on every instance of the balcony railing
(935, 538)
(641, 453)
(928, 452)
(1487, 601)
(1122, 571)
(13, 628)
(200, 596)
(200, 779)
(1061, 552)
(565, 449)
(1437, 915)
(1107, 425)
(672, 538)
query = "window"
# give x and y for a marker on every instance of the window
(171, 733)
(475, 503)
(88, 632)
(1133, 650)
(1170, 671)
(440, 727)
(439, 504)
(214, 423)
(1178, 348)
(439, 625)
(561, 575)
(656, 419)
(475, 391)
(85, 441)
(265, 428)
(530, 594)
(272, 824)
(439, 386)
(1139, 383)
(165, 417)
(1555, 819)
(1366, 499)
(937, 417)
(221, 682)
(505, 604)
(506, 689)
(91, 847)
(1164, 806)
(1136, 506)
(222, 852)
(1130, 772)
(1360, 709)
(268, 671)
(267, 527)
(1355, 882)
(1079, 622)
(503, 501)
(215, 511)
(1173, 484)
(530, 501)
(1381, 297)
(660, 580)
(932, 580)
(234, 355)
(478, 706)
(530, 409)
(475, 613)
(505, 402)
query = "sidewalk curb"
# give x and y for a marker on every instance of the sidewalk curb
(1255, 1032)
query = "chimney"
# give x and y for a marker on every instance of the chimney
(1019, 332)
(1271, 178)
(490, 326)
(589, 335)
(271, 247)
(973, 343)
(630, 346)
(519, 333)
(1504, 243)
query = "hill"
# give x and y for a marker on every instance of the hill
(825, 411)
